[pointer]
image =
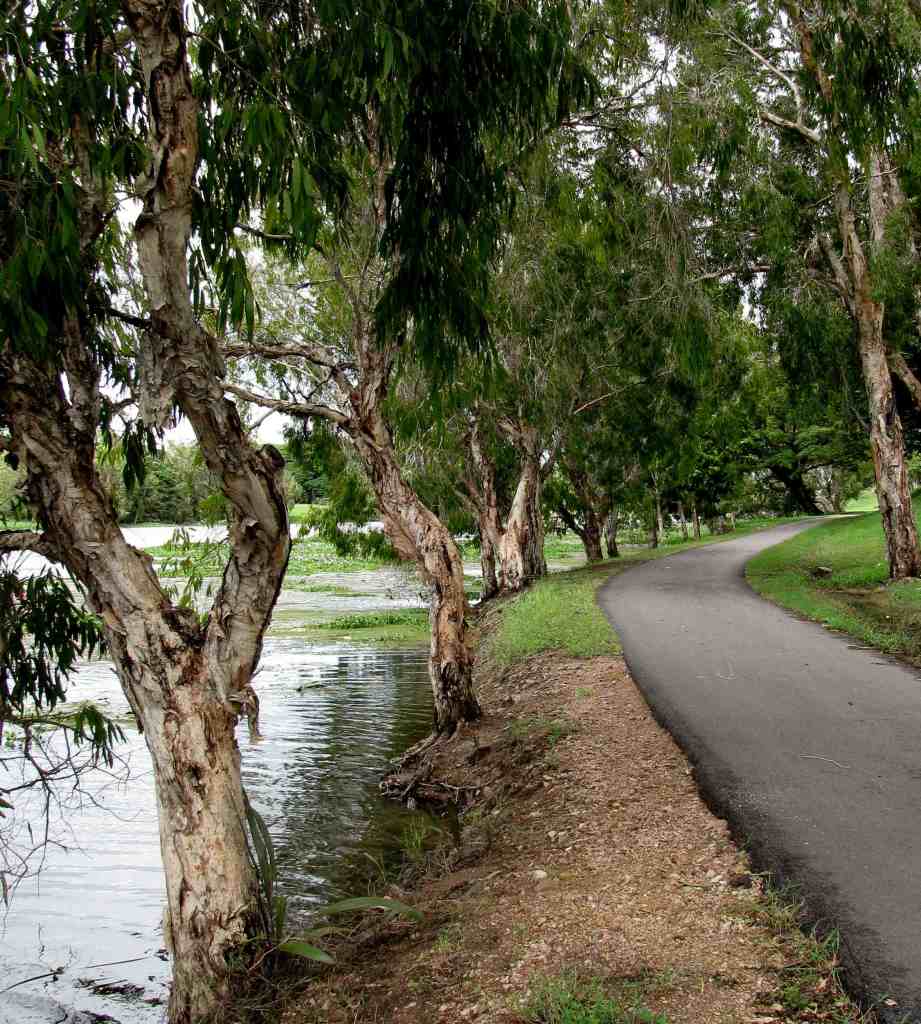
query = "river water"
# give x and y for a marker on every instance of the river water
(332, 716)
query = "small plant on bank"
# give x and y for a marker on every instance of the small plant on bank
(532, 728)
(568, 999)
(273, 907)
(417, 836)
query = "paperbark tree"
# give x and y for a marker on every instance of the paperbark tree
(352, 370)
(187, 681)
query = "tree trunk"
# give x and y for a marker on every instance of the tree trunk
(610, 533)
(521, 549)
(887, 443)
(886, 438)
(591, 537)
(800, 497)
(684, 522)
(187, 683)
(660, 524)
(489, 544)
(696, 520)
(212, 905)
(481, 492)
(589, 532)
(418, 534)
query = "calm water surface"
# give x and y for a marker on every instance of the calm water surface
(332, 715)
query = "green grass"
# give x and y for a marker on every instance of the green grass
(808, 986)
(866, 501)
(308, 556)
(303, 587)
(405, 627)
(569, 999)
(299, 513)
(561, 547)
(557, 613)
(856, 597)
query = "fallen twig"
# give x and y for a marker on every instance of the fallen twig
(817, 757)
(37, 977)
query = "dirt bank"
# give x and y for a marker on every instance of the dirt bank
(583, 872)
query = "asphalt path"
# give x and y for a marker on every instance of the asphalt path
(807, 744)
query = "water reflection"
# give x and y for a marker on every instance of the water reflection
(332, 716)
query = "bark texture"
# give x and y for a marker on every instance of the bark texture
(521, 548)
(886, 436)
(512, 554)
(481, 496)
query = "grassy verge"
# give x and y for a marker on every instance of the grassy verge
(837, 574)
(809, 984)
(557, 613)
(560, 612)
(569, 999)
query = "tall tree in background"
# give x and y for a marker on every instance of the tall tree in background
(812, 101)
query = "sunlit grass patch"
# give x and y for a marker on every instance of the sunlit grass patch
(556, 613)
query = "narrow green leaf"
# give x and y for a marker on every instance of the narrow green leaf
(303, 949)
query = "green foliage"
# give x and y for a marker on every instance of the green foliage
(366, 620)
(67, 104)
(10, 502)
(43, 633)
(167, 485)
(349, 500)
(283, 106)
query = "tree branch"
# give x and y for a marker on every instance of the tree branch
(264, 235)
(136, 321)
(28, 540)
(253, 349)
(793, 126)
(902, 370)
(301, 410)
(774, 70)
(842, 279)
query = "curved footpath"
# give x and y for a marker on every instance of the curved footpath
(808, 745)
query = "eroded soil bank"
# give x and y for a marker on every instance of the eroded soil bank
(583, 871)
